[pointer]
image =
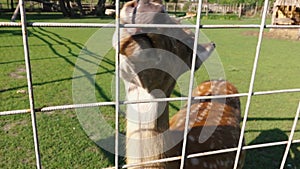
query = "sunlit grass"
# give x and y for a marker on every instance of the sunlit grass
(54, 53)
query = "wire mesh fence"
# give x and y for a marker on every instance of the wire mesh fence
(118, 102)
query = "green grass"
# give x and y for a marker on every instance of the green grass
(64, 144)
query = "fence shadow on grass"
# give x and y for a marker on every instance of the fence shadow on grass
(110, 141)
(271, 157)
(46, 35)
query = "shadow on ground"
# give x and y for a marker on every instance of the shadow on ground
(271, 157)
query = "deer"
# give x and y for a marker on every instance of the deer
(151, 60)
(214, 125)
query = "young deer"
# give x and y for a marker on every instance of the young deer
(214, 125)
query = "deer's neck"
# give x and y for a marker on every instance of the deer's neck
(146, 123)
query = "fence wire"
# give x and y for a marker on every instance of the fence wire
(262, 26)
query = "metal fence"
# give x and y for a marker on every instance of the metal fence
(262, 26)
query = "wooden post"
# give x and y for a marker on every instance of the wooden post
(224, 9)
(14, 16)
(236, 11)
(256, 7)
(240, 10)
(275, 8)
(269, 6)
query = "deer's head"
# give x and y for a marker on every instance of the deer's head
(154, 57)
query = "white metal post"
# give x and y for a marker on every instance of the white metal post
(29, 82)
(117, 86)
(251, 86)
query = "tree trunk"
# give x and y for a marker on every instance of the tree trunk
(100, 8)
(176, 5)
(63, 8)
(70, 9)
(66, 8)
(207, 7)
(12, 5)
(80, 7)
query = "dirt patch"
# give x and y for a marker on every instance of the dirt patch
(286, 34)
(19, 73)
(9, 126)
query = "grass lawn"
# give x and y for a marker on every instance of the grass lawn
(56, 53)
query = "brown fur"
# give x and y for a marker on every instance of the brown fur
(141, 47)
(221, 116)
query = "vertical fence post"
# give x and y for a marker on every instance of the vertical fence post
(191, 82)
(117, 86)
(251, 86)
(290, 138)
(29, 82)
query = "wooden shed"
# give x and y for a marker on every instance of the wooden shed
(286, 12)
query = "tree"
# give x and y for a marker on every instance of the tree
(11, 5)
(100, 8)
(80, 7)
(67, 10)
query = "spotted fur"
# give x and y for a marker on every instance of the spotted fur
(220, 116)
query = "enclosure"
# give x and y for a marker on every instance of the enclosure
(286, 13)
(39, 122)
